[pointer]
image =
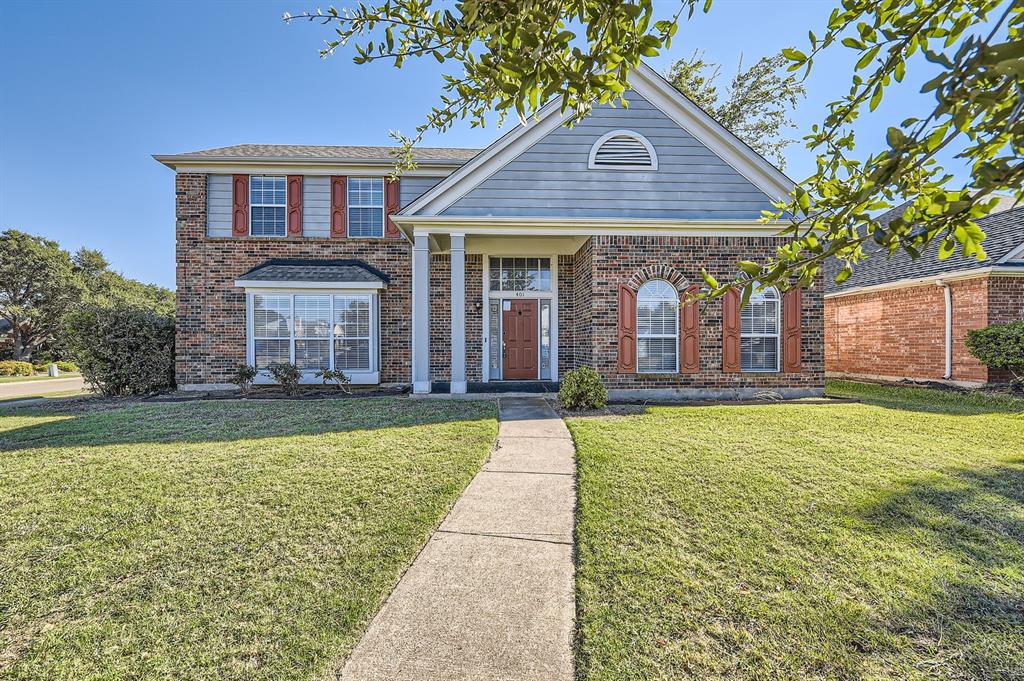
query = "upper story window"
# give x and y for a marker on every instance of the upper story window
(623, 150)
(520, 274)
(366, 207)
(657, 328)
(760, 325)
(267, 206)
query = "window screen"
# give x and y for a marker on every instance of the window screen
(366, 206)
(266, 206)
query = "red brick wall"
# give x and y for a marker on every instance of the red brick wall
(901, 333)
(566, 311)
(1005, 304)
(211, 310)
(615, 260)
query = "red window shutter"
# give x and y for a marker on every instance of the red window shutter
(339, 207)
(731, 331)
(295, 205)
(392, 205)
(689, 333)
(240, 206)
(627, 330)
(792, 302)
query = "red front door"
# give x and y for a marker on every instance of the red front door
(519, 339)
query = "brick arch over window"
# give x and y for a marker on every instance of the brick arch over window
(669, 274)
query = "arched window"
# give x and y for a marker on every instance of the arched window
(657, 328)
(623, 150)
(760, 324)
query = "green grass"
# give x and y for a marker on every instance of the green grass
(5, 401)
(883, 539)
(35, 377)
(216, 540)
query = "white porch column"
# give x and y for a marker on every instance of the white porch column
(421, 314)
(458, 309)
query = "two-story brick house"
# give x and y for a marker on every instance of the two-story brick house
(554, 247)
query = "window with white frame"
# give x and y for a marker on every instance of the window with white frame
(366, 207)
(267, 206)
(657, 328)
(315, 331)
(760, 330)
(520, 274)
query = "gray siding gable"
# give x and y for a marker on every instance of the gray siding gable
(552, 178)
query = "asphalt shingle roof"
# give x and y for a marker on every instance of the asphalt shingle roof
(1004, 232)
(329, 153)
(352, 271)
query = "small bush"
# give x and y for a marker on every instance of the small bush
(14, 368)
(67, 367)
(123, 350)
(40, 367)
(582, 389)
(335, 376)
(1000, 346)
(287, 375)
(242, 376)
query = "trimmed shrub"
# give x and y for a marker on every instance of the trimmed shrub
(14, 368)
(67, 367)
(40, 367)
(123, 350)
(287, 376)
(335, 376)
(1000, 346)
(242, 377)
(582, 388)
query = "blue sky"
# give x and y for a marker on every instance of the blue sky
(89, 91)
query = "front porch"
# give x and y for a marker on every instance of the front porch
(491, 313)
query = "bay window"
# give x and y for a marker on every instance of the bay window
(315, 331)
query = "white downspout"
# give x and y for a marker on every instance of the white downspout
(948, 296)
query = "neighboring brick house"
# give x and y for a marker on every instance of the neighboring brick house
(553, 248)
(902, 318)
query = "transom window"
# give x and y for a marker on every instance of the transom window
(366, 206)
(520, 274)
(315, 331)
(657, 328)
(760, 325)
(267, 206)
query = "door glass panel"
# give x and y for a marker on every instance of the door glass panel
(545, 339)
(494, 329)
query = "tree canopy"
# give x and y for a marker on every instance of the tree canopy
(517, 56)
(40, 283)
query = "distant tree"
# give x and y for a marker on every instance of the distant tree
(38, 285)
(106, 287)
(755, 106)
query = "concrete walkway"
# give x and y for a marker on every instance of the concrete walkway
(491, 596)
(43, 387)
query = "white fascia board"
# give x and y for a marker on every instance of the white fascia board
(1013, 256)
(489, 161)
(303, 167)
(1005, 271)
(327, 286)
(731, 149)
(525, 226)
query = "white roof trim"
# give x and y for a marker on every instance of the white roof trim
(1013, 256)
(557, 226)
(932, 279)
(592, 160)
(731, 149)
(660, 93)
(296, 285)
(304, 167)
(489, 161)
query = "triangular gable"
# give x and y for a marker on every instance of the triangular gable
(540, 169)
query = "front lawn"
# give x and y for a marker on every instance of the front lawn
(876, 540)
(216, 540)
